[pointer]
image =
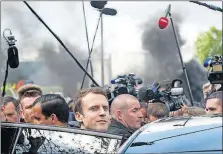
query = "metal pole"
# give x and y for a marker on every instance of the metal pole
(181, 60)
(110, 67)
(89, 50)
(102, 52)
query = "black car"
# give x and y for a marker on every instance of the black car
(21, 138)
(177, 135)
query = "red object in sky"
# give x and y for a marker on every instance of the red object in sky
(163, 22)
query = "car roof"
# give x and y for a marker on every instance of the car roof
(177, 134)
(182, 122)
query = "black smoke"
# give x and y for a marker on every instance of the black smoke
(23, 26)
(62, 70)
(163, 62)
(197, 76)
(52, 66)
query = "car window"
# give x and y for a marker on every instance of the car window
(205, 140)
(51, 141)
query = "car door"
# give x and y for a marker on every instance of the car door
(28, 138)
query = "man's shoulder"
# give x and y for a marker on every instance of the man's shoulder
(119, 129)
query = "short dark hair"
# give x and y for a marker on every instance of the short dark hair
(8, 99)
(215, 95)
(53, 104)
(158, 110)
(77, 107)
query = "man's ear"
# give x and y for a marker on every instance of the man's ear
(79, 117)
(2, 107)
(21, 113)
(119, 115)
(54, 118)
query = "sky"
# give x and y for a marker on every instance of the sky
(122, 33)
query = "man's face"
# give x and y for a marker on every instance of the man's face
(132, 116)
(2, 116)
(38, 117)
(213, 106)
(10, 113)
(26, 111)
(95, 112)
(144, 114)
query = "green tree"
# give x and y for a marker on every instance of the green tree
(208, 44)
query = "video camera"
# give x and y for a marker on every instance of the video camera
(215, 76)
(172, 95)
(125, 84)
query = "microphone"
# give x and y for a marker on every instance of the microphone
(163, 21)
(13, 56)
(207, 62)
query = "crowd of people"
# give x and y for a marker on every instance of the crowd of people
(90, 109)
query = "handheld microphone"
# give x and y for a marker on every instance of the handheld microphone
(163, 21)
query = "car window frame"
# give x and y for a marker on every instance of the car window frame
(21, 126)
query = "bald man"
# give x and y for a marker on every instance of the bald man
(126, 115)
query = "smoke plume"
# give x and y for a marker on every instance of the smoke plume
(163, 62)
(51, 66)
(62, 69)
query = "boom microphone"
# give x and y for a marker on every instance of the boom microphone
(13, 56)
(163, 21)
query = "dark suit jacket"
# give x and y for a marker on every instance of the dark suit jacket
(119, 129)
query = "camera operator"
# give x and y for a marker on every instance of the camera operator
(214, 103)
(126, 115)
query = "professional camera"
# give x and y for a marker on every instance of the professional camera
(125, 84)
(215, 76)
(172, 95)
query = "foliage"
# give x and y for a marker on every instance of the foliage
(208, 44)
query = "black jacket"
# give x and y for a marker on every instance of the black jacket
(119, 129)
